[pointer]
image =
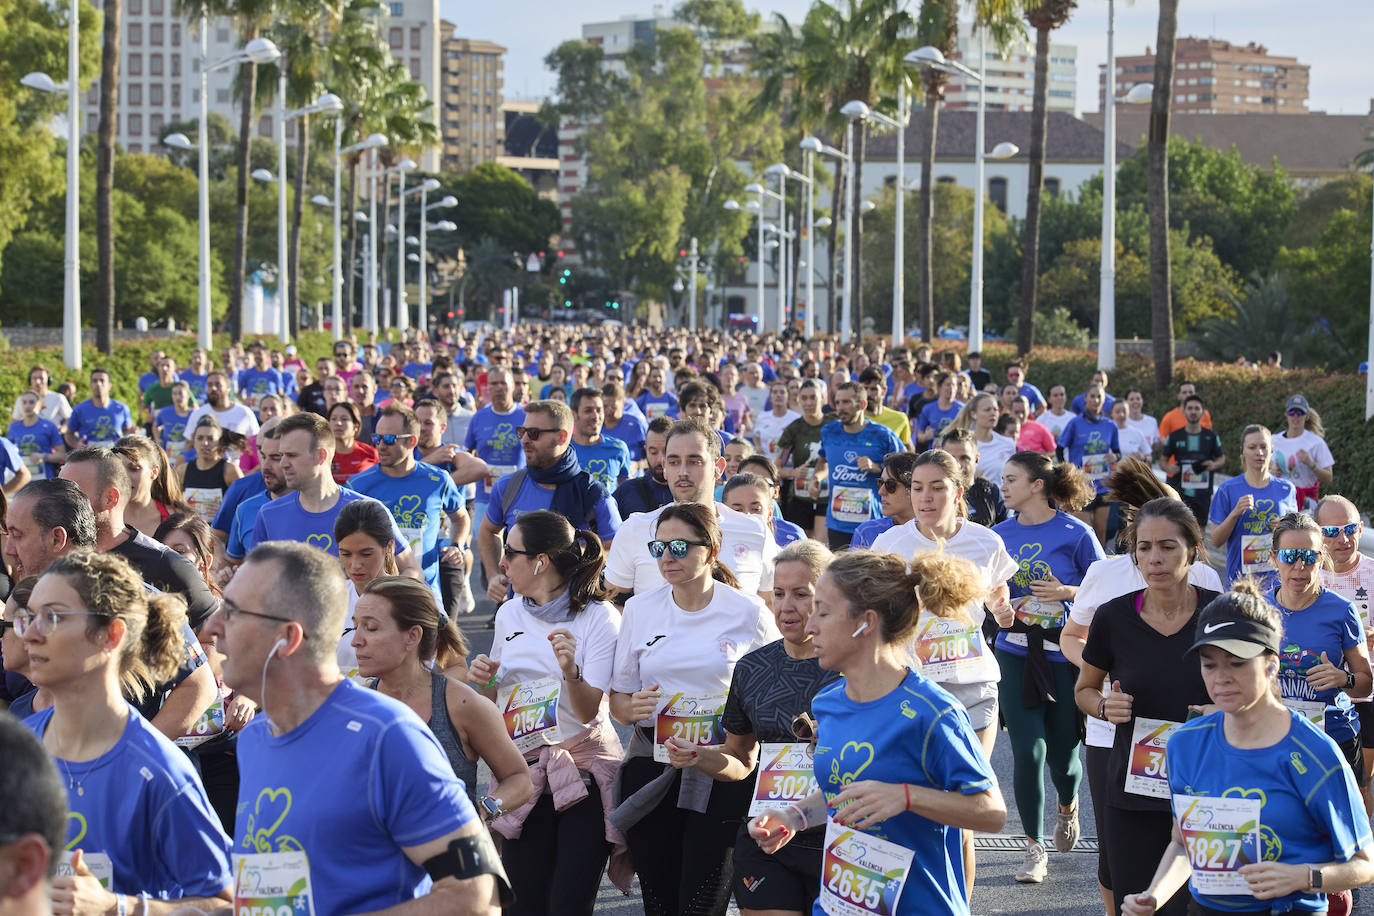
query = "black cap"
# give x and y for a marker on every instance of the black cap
(1243, 637)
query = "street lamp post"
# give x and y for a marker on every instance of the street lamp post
(370, 146)
(857, 110)
(283, 273)
(853, 111)
(811, 146)
(781, 172)
(402, 313)
(429, 184)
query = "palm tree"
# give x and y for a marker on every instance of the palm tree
(1044, 16)
(1157, 198)
(104, 178)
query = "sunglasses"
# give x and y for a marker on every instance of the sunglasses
(533, 432)
(804, 727)
(1290, 555)
(677, 547)
(1335, 531)
(891, 486)
(389, 438)
(1297, 412)
(509, 552)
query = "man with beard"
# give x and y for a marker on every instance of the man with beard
(219, 404)
(650, 489)
(851, 455)
(620, 423)
(445, 388)
(491, 435)
(269, 465)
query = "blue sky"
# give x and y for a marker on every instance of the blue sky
(1329, 35)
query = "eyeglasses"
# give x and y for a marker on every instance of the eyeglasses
(340, 352)
(534, 432)
(892, 486)
(231, 610)
(1297, 412)
(44, 622)
(1290, 555)
(676, 547)
(1335, 531)
(508, 551)
(7, 624)
(390, 439)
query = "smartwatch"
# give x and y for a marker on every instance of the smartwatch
(490, 805)
(1349, 679)
(1314, 878)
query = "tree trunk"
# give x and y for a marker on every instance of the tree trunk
(104, 180)
(1161, 293)
(351, 257)
(857, 312)
(297, 214)
(927, 218)
(1030, 258)
(248, 87)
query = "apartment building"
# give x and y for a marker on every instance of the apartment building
(471, 92)
(1219, 77)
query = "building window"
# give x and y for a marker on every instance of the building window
(135, 147)
(176, 95)
(221, 97)
(398, 10)
(135, 64)
(176, 65)
(155, 34)
(155, 94)
(997, 192)
(154, 64)
(135, 94)
(945, 179)
(136, 7)
(154, 125)
(265, 126)
(415, 39)
(222, 36)
(415, 68)
(176, 34)
(395, 37)
(155, 7)
(92, 123)
(1052, 187)
(135, 34)
(135, 125)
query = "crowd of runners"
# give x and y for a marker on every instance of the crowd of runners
(764, 608)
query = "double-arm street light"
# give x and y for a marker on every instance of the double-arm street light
(811, 146)
(401, 312)
(430, 184)
(858, 110)
(373, 143)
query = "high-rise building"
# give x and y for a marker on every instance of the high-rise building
(160, 60)
(1218, 77)
(1011, 79)
(474, 127)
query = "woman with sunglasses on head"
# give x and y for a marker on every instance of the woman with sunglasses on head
(1244, 508)
(141, 821)
(1293, 829)
(403, 644)
(1138, 643)
(1325, 661)
(897, 759)
(1301, 454)
(1052, 551)
(979, 416)
(350, 456)
(549, 671)
(674, 660)
(894, 495)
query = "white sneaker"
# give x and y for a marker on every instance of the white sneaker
(462, 597)
(1036, 865)
(1066, 829)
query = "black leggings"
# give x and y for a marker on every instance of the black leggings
(1134, 842)
(684, 858)
(555, 866)
(219, 774)
(1095, 765)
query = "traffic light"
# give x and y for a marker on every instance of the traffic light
(564, 278)
(615, 305)
(682, 252)
(567, 303)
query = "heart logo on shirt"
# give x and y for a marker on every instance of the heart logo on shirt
(80, 819)
(322, 541)
(847, 776)
(408, 514)
(1238, 792)
(272, 805)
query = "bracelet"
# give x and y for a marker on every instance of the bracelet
(801, 814)
(906, 789)
(143, 901)
(1102, 709)
(489, 684)
(577, 673)
(120, 905)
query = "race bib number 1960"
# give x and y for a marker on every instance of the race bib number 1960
(1219, 836)
(272, 884)
(861, 875)
(694, 718)
(786, 774)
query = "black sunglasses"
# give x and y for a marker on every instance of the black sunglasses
(508, 551)
(676, 547)
(534, 432)
(892, 486)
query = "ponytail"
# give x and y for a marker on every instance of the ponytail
(721, 573)
(1066, 486)
(585, 582)
(412, 605)
(162, 649)
(945, 585)
(450, 648)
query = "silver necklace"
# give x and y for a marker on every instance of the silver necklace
(71, 782)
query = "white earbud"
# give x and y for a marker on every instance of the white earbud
(538, 565)
(276, 647)
(862, 627)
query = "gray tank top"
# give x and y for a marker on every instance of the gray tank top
(442, 727)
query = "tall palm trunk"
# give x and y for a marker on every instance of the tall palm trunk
(248, 87)
(1030, 258)
(104, 179)
(297, 214)
(1161, 294)
(927, 217)
(348, 282)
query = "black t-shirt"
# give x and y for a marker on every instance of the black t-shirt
(985, 505)
(1185, 448)
(981, 378)
(1162, 679)
(768, 690)
(918, 402)
(166, 570)
(641, 494)
(311, 398)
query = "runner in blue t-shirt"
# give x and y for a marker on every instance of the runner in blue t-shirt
(606, 458)
(655, 400)
(1244, 508)
(622, 422)
(899, 766)
(491, 434)
(936, 416)
(350, 779)
(420, 496)
(1091, 442)
(170, 422)
(245, 516)
(99, 420)
(259, 378)
(38, 440)
(852, 452)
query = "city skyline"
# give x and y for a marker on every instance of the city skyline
(1340, 84)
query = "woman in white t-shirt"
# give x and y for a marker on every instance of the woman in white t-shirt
(980, 416)
(549, 671)
(1056, 417)
(673, 665)
(1137, 419)
(952, 649)
(367, 551)
(1132, 440)
(1301, 454)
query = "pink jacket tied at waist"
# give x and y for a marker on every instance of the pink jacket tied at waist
(596, 750)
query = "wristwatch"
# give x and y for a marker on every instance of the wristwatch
(1349, 679)
(491, 805)
(1314, 878)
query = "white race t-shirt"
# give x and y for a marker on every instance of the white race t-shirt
(747, 549)
(983, 548)
(236, 417)
(692, 652)
(54, 408)
(1357, 587)
(1147, 426)
(1285, 463)
(521, 644)
(1110, 578)
(757, 397)
(1133, 442)
(1055, 422)
(992, 455)
(769, 429)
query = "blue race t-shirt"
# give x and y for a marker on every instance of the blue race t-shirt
(532, 497)
(1032, 394)
(196, 383)
(32, 442)
(785, 532)
(283, 519)
(854, 493)
(631, 430)
(173, 428)
(142, 805)
(1063, 547)
(246, 486)
(254, 383)
(934, 417)
(99, 425)
(1248, 547)
(868, 532)
(241, 531)
(1310, 807)
(1079, 403)
(657, 405)
(608, 461)
(1086, 443)
(491, 437)
(920, 735)
(421, 503)
(1331, 625)
(350, 786)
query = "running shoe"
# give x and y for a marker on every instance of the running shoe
(463, 593)
(1066, 830)
(1036, 865)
